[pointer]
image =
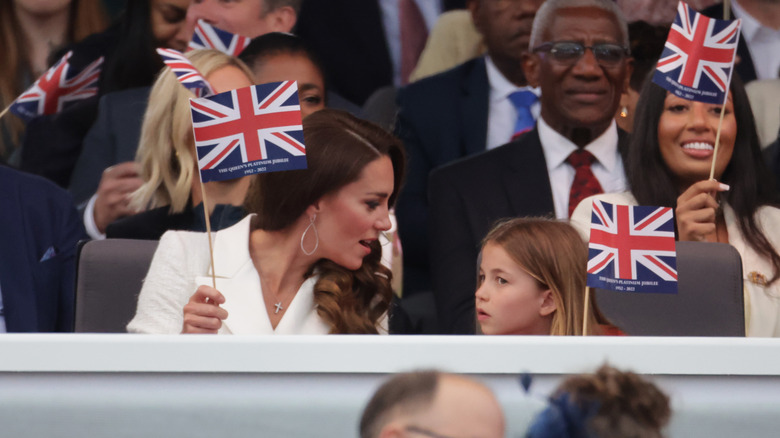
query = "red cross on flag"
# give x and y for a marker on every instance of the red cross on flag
(249, 130)
(632, 248)
(698, 57)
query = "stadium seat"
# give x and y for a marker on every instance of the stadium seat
(709, 300)
(108, 280)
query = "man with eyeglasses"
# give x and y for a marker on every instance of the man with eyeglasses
(434, 405)
(579, 58)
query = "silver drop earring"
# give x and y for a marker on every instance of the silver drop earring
(316, 236)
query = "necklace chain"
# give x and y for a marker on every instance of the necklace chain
(279, 306)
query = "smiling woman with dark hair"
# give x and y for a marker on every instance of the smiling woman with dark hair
(668, 164)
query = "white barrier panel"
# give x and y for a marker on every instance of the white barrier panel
(303, 386)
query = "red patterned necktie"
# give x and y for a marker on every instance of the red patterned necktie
(585, 183)
(414, 34)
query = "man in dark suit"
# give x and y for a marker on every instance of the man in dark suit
(581, 87)
(113, 139)
(350, 38)
(39, 230)
(458, 113)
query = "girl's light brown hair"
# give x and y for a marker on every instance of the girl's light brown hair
(554, 254)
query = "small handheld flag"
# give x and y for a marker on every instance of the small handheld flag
(632, 248)
(185, 72)
(57, 88)
(207, 36)
(698, 58)
(249, 130)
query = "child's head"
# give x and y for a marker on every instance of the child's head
(609, 403)
(532, 279)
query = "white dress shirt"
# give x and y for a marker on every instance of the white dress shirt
(608, 168)
(502, 114)
(89, 220)
(763, 43)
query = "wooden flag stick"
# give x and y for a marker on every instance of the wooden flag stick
(208, 231)
(717, 137)
(5, 110)
(726, 11)
(585, 312)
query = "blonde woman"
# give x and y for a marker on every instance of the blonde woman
(167, 159)
(532, 281)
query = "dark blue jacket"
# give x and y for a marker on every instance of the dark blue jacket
(39, 230)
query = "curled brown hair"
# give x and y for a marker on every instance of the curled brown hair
(554, 254)
(627, 404)
(338, 147)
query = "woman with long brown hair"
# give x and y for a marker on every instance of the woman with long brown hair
(307, 258)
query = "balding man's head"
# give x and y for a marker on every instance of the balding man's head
(249, 18)
(581, 61)
(433, 404)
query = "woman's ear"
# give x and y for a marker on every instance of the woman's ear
(313, 209)
(282, 19)
(548, 303)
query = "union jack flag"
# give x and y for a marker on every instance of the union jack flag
(57, 88)
(698, 57)
(209, 37)
(249, 130)
(632, 248)
(185, 72)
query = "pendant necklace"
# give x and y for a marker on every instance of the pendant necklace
(278, 304)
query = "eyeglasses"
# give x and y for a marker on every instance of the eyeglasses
(569, 52)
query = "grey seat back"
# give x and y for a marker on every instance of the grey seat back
(709, 301)
(108, 280)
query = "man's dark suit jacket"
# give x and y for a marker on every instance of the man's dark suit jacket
(39, 230)
(745, 68)
(442, 118)
(349, 38)
(52, 142)
(467, 198)
(112, 139)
